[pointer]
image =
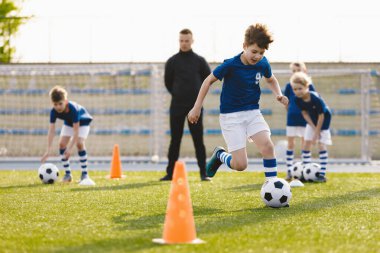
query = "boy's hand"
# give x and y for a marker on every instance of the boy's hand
(316, 138)
(193, 115)
(45, 157)
(282, 99)
(67, 154)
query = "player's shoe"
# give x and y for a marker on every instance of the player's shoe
(213, 165)
(321, 179)
(205, 178)
(166, 178)
(84, 176)
(288, 177)
(67, 178)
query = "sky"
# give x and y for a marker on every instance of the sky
(147, 31)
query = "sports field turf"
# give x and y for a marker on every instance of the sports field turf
(342, 215)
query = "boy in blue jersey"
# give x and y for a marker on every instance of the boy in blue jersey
(240, 116)
(318, 118)
(76, 127)
(295, 123)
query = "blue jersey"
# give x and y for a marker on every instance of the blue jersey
(241, 84)
(294, 116)
(314, 107)
(76, 113)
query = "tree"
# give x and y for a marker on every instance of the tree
(9, 25)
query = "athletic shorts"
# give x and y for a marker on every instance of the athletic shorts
(69, 131)
(295, 131)
(237, 127)
(325, 135)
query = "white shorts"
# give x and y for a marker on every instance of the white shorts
(69, 131)
(237, 127)
(295, 131)
(325, 135)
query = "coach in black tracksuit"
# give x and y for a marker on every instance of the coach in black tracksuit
(184, 74)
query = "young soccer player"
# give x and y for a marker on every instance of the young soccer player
(240, 117)
(75, 128)
(295, 123)
(318, 118)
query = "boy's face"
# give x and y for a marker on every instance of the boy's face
(185, 42)
(299, 90)
(296, 69)
(253, 53)
(60, 106)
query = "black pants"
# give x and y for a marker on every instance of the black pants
(177, 121)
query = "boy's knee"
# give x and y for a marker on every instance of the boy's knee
(240, 166)
(80, 145)
(268, 149)
(62, 145)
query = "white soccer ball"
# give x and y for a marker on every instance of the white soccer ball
(311, 171)
(276, 192)
(296, 170)
(48, 173)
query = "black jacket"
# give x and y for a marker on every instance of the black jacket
(184, 75)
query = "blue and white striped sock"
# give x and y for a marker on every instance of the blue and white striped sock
(270, 167)
(306, 156)
(225, 158)
(289, 159)
(65, 162)
(323, 159)
(83, 160)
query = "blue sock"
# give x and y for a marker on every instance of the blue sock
(65, 162)
(323, 157)
(225, 158)
(270, 166)
(306, 156)
(289, 159)
(83, 160)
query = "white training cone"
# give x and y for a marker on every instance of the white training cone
(296, 183)
(87, 182)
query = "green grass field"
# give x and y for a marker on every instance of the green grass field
(342, 215)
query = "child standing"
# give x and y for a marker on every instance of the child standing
(295, 123)
(318, 118)
(240, 117)
(76, 127)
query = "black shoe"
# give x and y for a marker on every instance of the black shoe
(205, 178)
(166, 178)
(321, 179)
(213, 165)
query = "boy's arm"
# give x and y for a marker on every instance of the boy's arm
(306, 116)
(195, 112)
(51, 133)
(275, 88)
(318, 127)
(73, 141)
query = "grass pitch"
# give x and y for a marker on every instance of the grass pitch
(342, 215)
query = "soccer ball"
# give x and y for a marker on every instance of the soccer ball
(296, 170)
(48, 173)
(311, 171)
(276, 192)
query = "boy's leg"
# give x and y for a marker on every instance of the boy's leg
(236, 160)
(323, 160)
(82, 152)
(289, 156)
(306, 152)
(265, 145)
(63, 141)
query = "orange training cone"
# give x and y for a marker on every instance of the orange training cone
(116, 163)
(179, 224)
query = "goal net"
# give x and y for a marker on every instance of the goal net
(130, 105)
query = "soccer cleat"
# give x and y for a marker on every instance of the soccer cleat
(205, 178)
(84, 176)
(67, 178)
(288, 177)
(213, 165)
(166, 178)
(321, 179)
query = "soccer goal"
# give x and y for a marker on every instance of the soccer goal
(130, 105)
